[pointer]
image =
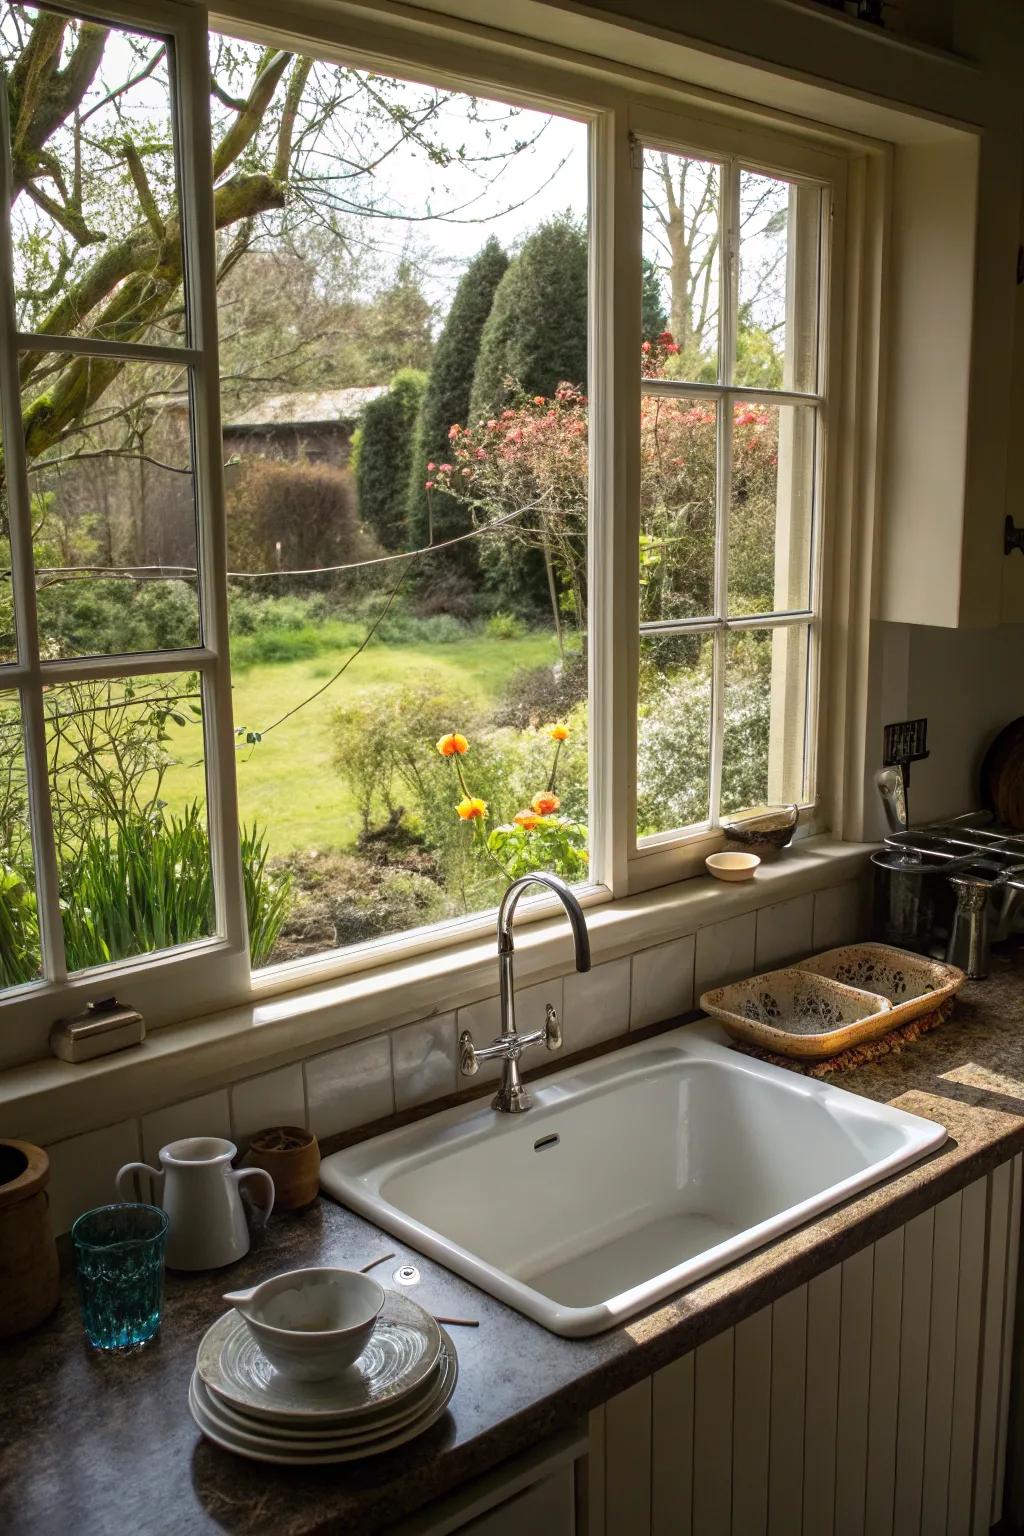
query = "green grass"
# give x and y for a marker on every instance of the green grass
(288, 782)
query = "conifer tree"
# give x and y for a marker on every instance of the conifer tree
(382, 460)
(432, 515)
(536, 332)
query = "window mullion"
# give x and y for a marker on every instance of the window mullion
(51, 929)
(729, 281)
(192, 106)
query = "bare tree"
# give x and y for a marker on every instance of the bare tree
(298, 145)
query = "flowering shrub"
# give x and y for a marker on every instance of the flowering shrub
(530, 462)
(535, 839)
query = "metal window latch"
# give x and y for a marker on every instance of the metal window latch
(1013, 537)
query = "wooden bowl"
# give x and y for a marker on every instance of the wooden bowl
(291, 1155)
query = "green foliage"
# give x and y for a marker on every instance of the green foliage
(102, 618)
(553, 843)
(536, 332)
(132, 877)
(653, 318)
(505, 626)
(674, 731)
(385, 457)
(432, 515)
(19, 927)
(386, 751)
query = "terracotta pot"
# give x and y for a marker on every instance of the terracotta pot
(291, 1156)
(29, 1270)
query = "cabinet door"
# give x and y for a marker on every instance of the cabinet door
(548, 1507)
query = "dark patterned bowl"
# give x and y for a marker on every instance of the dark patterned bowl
(772, 828)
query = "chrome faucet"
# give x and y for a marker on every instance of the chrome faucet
(512, 1096)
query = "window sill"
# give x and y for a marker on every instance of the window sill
(50, 1100)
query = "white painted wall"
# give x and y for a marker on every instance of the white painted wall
(969, 683)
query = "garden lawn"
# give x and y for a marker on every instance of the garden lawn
(288, 782)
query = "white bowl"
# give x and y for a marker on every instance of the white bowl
(732, 866)
(311, 1323)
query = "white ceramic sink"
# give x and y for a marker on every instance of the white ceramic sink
(631, 1177)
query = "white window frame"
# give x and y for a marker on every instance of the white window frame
(214, 973)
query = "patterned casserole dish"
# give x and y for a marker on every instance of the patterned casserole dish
(913, 984)
(794, 1012)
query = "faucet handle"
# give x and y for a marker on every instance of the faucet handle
(552, 1029)
(468, 1063)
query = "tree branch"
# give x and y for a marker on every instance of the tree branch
(243, 129)
(147, 202)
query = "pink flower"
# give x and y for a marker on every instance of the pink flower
(491, 424)
(645, 346)
(467, 473)
(446, 469)
(481, 453)
(431, 466)
(428, 485)
(453, 431)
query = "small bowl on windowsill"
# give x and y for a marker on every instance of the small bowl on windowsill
(732, 866)
(765, 831)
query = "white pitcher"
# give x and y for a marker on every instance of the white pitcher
(198, 1188)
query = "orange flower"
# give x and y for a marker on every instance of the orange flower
(471, 809)
(545, 804)
(526, 819)
(558, 732)
(453, 745)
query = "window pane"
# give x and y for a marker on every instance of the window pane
(770, 514)
(427, 291)
(766, 701)
(673, 732)
(97, 227)
(128, 793)
(777, 318)
(678, 472)
(110, 477)
(19, 921)
(681, 264)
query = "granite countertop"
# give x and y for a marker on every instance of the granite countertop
(99, 1446)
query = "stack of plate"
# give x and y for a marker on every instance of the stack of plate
(398, 1387)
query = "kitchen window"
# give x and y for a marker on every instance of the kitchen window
(668, 499)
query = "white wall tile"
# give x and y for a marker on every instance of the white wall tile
(349, 1087)
(273, 1098)
(596, 1005)
(208, 1115)
(483, 1020)
(423, 1061)
(83, 1169)
(725, 952)
(784, 932)
(841, 915)
(662, 985)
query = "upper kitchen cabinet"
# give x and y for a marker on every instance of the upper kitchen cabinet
(1013, 564)
(952, 401)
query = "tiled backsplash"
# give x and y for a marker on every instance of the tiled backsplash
(341, 1089)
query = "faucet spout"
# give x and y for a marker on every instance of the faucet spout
(573, 910)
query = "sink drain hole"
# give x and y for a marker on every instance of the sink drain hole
(543, 1142)
(407, 1275)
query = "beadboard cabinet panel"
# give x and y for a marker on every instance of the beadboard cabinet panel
(872, 1401)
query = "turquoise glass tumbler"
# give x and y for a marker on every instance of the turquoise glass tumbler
(119, 1266)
